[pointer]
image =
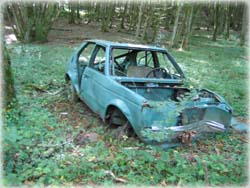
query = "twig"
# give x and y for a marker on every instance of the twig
(132, 148)
(206, 175)
(40, 89)
(32, 86)
(54, 93)
(114, 177)
(244, 140)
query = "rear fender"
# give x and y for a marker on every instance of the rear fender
(119, 104)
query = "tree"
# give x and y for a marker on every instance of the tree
(222, 19)
(78, 11)
(216, 20)
(243, 26)
(111, 14)
(133, 15)
(105, 17)
(32, 21)
(146, 24)
(176, 22)
(72, 13)
(187, 24)
(156, 22)
(228, 20)
(139, 19)
(8, 81)
(123, 16)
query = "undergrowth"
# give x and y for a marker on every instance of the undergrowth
(37, 146)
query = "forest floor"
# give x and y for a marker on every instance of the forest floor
(39, 135)
(62, 32)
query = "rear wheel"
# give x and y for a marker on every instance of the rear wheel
(118, 124)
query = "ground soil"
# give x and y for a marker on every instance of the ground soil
(62, 32)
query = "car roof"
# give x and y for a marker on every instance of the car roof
(124, 45)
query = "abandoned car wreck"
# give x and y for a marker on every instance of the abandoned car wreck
(141, 89)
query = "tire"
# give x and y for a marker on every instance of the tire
(118, 125)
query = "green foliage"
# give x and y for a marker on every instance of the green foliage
(31, 22)
(174, 111)
(219, 66)
(34, 133)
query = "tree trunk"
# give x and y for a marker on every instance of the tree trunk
(134, 19)
(216, 20)
(244, 26)
(146, 24)
(111, 14)
(139, 20)
(132, 12)
(156, 25)
(222, 20)
(98, 12)
(72, 13)
(90, 15)
(189, 15)
(168, 15)
(105, 18)
(123, 16)
(8, 81)
(78, 10)
(176, 22)
(228, 20)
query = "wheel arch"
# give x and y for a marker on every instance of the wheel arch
(69, 78)
(122, 107)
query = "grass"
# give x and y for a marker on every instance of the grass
(34, 132)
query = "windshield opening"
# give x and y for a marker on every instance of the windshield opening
(143, 63)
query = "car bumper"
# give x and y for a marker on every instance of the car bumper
(179, 135)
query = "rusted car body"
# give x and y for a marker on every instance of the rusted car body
(141, 88)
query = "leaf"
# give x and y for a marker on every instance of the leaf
(172, 178)
(11, 134)
(164, 156)
(201, 172)
(160, 165)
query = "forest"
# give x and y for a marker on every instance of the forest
(40, 125)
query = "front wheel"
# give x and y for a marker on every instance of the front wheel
(71, 93)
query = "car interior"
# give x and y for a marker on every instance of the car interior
(139, 64)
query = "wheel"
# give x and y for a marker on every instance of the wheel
(118, 125)
(71, 94)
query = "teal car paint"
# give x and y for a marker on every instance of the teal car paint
(141, 88)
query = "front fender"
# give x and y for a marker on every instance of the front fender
(72, 73)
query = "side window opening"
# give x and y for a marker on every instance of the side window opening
(84, 58)
(85, 55)
(145, 58)
(122, 58)
(99, 59)
(131, 62)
